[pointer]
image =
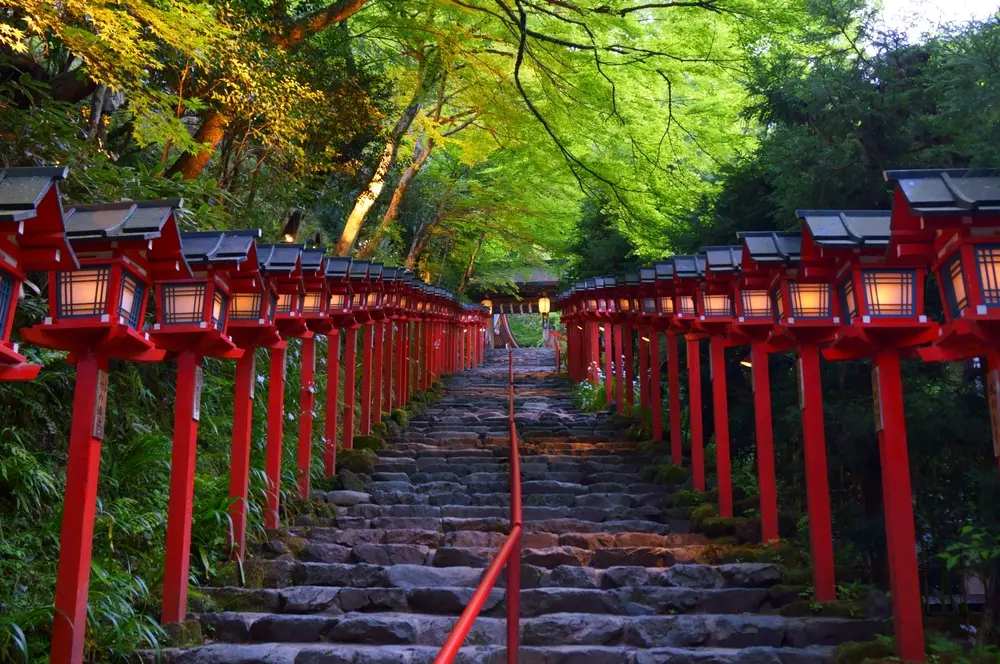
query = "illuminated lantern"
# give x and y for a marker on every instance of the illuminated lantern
(371, 291)
(192, 320)
(377, 302)
(544, 306)
(96, 313)
(764, 256)
(32, 238)
(488, 304)
(715, 294)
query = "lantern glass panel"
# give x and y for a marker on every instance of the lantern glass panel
(756, 303)
(953, 280)
(403, 302)
(272, 306)
(988, 262)
(848, 301)
(649, 305)
(779, 303)
(246, 306)
(6, 301)
(312, 303)
(219, 302)
(338, 302)
(810, 300)
(666, 305)
(373, 299)
(83, 292)
(130, 301)
(591, 305)
(602, 304)
(183, 303)
(286, 302)
(686, 304)
(890, 293)
(358, 300)
(717, 304)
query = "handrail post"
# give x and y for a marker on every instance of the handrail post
(516, 524)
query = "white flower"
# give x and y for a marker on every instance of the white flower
(260, 378)
(291, 416)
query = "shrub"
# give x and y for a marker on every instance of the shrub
(670, 475)
(400, 417)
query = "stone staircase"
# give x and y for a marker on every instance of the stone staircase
(610, 574)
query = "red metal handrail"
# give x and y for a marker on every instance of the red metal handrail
(509, 556)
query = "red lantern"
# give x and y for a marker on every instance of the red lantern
(192, 319)
(96, 313)
(32, 238)
(337, 271)
(688, 271)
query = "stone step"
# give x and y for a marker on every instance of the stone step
(534, 602)
(286, 573)
(427, 516)
(292, 653)
(501, 524)
(566, 629)
(295, 537)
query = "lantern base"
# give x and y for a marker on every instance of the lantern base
(253, 335)
(747, 333)
(111, 340)
(788, 336)
(204, 343)
(15, 367)
(292, 327)
(962, 339)
(861, 340)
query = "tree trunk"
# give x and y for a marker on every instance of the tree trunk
(421, 153)
(366, 199)
(96, 111)
(472, 263)
(316, 22)
(211, 132)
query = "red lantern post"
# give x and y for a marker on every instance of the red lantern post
(658, 307)
(763, 255)
(687, 271)
(32, 238)
(362, 318)
(714, 300)
(282, 265)
(191, 324)
(313, 312)
(95, 313)
(337, 274)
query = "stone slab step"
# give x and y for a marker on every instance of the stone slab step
(291, 653)
(501, 524)
(531, 513)
(567, 629)
(460, 538)
(627, 601)
(285, 573)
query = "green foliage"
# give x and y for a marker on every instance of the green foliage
(670, 475)
(589, 397)
(400, 417)
(858, 652)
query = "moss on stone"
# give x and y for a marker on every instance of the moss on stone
(184, 634)
(295, 544)
(373, 443)
(199, 602)
(686, 498)
(327, 484)
(670, 475)
(350, 481)
(744, 529)
(804, 608)
(700, 513)
(857, 652)
(400, 417)
(357, 461)
(380, 430)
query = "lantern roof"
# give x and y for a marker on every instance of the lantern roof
(29, 204)
(391, 274)
(772, 246)
(23, 189)
(664, 270)
(375, 271)
(724, 259)
(338, 267)
(647, 274)
(590, 284)
(407, 277)
(312, 260)
(604, 282)
(274, 258)
(359, 269)
(949, 192)
(127, 220)
(847, 228)
(631, 279)
(236, 246)
(147, 222)
(689, 267)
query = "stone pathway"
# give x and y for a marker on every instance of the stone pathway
(610, 574)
